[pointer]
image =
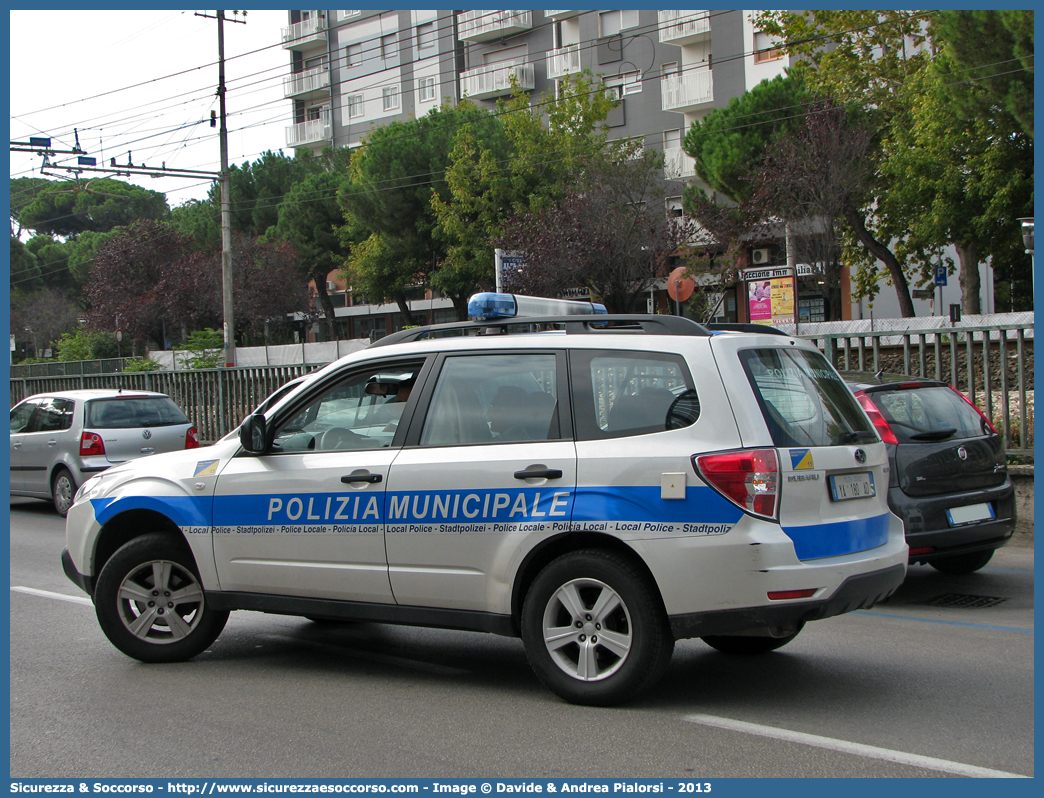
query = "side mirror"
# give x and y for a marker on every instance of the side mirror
(253, 434)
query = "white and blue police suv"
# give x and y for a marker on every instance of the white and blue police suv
(598, 485)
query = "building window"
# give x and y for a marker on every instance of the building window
(355, 106)
(764, 49)
(612, 22)
(388, 47)
(350, 14)
(426, 36)
(314, 113)
(672, 139)
(390, 96)
(426, 89)
(353, 54)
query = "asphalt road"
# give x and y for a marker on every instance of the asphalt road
(926, 685)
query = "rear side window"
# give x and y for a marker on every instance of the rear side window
(55, 415)
(928, 413)
(132, 412)
(494, 399)
(803, 400)
(631, 393)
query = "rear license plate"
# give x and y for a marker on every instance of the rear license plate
(852, 486)
(970, 513)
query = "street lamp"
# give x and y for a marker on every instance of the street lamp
(1027, 239)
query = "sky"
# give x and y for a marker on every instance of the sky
(145, 82)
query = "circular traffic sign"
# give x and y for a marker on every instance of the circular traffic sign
(119, 336)
(680, 287)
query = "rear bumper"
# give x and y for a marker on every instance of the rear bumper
(926, 525)
(855, 593)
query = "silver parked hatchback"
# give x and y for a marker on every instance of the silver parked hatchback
(58, 440)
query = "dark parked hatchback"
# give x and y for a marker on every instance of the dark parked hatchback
(949, 477)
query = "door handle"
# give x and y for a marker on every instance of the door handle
(544, 473)
(16, 445)
(52, 443)
(373, 479)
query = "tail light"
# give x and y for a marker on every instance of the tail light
(748, 478)
(986, 422)
(880, 424)
(91, 445)
(191, 439)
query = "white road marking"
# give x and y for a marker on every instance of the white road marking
(857, 749)
(32, 591)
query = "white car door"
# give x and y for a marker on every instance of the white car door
(306, 518)
(489, 471)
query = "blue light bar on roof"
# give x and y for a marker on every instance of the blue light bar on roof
(508, 306)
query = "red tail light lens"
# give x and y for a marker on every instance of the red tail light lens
(749, 479)
(91, 444)
(191, 439)
(985, 420)
(880, 424)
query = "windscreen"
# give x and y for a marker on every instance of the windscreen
(804, 401)
(132, 412)
(928, 414)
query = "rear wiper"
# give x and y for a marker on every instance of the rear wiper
(859, 436)
(940, 434)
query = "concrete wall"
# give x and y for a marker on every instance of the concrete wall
(1022, 477)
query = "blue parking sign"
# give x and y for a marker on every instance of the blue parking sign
(940, 275)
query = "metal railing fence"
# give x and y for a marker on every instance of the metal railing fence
(215, 400)
(993, 365)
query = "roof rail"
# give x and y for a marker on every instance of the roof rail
(748, 328)
(600, 324)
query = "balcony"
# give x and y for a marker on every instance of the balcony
(484, 26)
(563, 61)
(557, 15)
(687, 91)
(301, 34)
(494, 80)
(677, 164)
(309, 132)
(305, 82)
(683, 27)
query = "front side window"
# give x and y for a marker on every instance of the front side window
(803, 400)
(353, 54)
(390, 96)
(631, 393)
(355, 105)
(361, 411)
(494, 399)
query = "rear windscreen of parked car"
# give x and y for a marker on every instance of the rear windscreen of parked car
(925, 414)
(804, 401)
(150, 411)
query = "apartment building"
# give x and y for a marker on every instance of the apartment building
(352, 71)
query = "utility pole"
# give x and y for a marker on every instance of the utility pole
(226, 213)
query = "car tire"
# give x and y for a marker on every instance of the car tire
(594, 629)
(63, 491)
(957, 564)
(140, 572)
(748, 645)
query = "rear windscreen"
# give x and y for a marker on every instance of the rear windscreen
(929, 413)
(804, 401)
(145, 411)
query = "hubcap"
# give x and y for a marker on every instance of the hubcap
(63, 493)
(587, 629)
(160, 602)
